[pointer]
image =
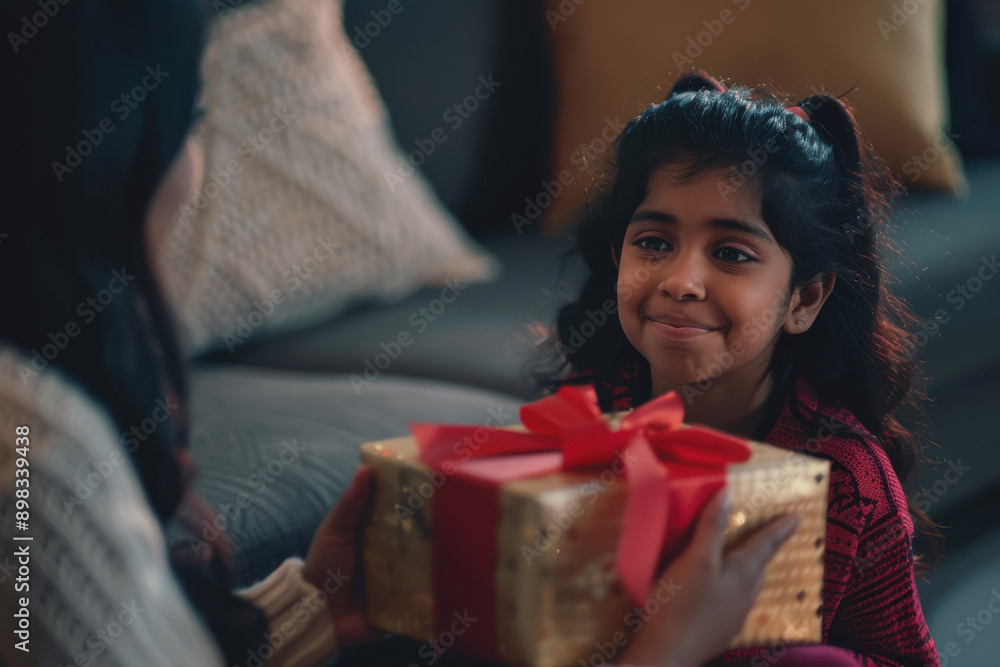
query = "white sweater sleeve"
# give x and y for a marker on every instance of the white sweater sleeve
(301, 630)
(96, 580)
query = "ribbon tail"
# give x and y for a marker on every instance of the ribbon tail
(701, 446)
(646, 515)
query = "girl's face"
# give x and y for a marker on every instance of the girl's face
(703, 286)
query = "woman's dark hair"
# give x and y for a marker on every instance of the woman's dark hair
(825, 198)
(100, 101)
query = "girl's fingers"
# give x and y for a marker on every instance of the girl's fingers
(711, 525)
(755, 552)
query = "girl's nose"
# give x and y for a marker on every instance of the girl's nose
(683, 278)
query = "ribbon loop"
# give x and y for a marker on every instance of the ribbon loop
(666, 412)
(567, 410)
(699, 446)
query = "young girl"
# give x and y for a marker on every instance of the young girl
(740, 243)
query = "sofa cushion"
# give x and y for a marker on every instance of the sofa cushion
(482, 334)
(307, 205)
(614, 59)
(276, 449)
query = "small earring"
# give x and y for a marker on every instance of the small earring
(800, 321)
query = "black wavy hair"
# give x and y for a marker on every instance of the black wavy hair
(101, 97)
(825, 197)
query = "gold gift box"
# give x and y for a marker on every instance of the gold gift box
(559, 599)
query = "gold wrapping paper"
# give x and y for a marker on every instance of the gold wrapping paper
(558, 595)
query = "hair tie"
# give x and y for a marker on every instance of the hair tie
(798, 111)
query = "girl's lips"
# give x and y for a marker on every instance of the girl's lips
(679, 330)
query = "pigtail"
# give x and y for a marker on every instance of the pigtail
(835, 123)
(879, 378)
(694, 82)
(862, 317)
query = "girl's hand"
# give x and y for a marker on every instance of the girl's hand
(715, 591)
(332, 563)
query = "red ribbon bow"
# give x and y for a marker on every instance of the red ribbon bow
(652, 443)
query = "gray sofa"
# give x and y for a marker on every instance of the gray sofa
(276, 426)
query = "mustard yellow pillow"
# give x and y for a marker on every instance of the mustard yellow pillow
(612, 59)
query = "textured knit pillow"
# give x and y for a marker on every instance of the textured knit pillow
(614, 58)
(307, 205)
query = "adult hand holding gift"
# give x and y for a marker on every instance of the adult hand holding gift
(553, 554)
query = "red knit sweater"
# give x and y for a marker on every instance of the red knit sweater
(870, 603)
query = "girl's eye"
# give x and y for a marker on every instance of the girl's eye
(653, 243)
(734, 255)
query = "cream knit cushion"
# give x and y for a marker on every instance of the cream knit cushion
(298, 216)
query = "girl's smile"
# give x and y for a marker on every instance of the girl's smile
(678, 328)
(698, 273)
